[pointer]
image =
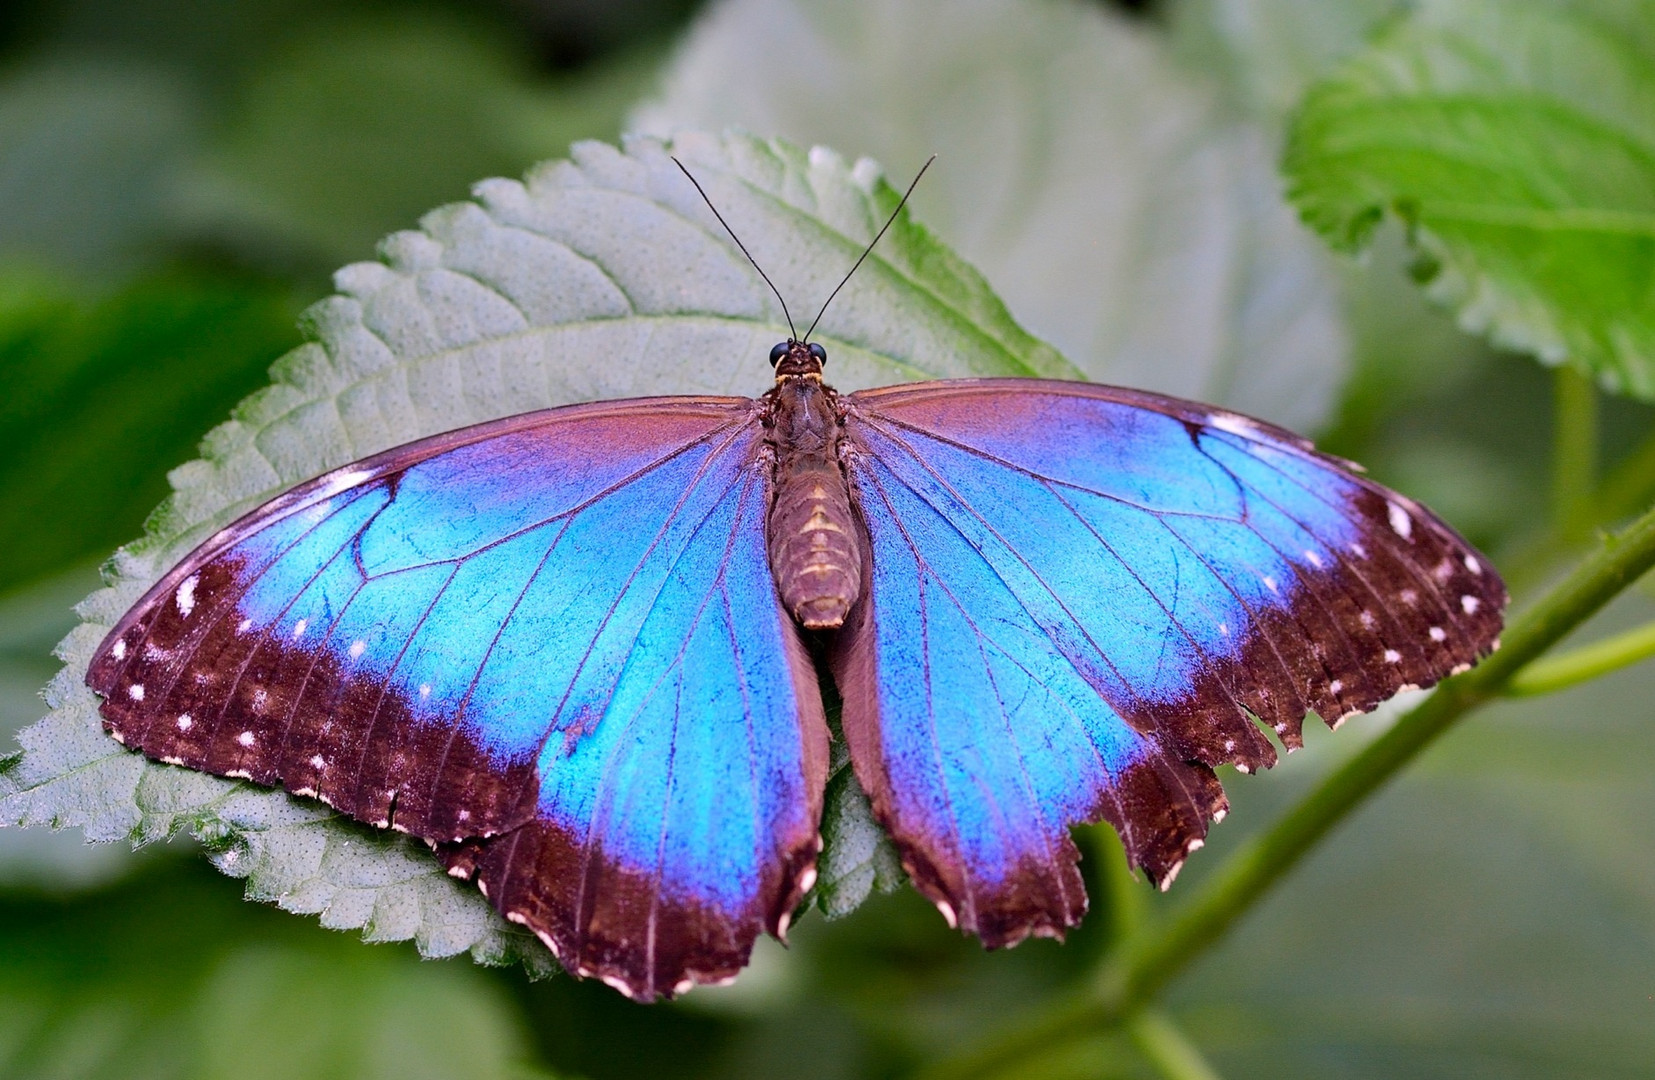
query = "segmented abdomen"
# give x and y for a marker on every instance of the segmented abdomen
(815, 543)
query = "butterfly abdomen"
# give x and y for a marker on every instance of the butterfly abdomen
(814, 539)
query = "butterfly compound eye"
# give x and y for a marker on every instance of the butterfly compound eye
(777, 353)
(818, 352)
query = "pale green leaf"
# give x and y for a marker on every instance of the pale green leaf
(1517, 142)
(857, 859)
(1268, 51)
(601, 277)
(1119, 206)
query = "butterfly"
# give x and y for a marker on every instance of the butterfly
(580, 651)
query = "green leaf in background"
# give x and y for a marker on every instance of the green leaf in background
(1516, 139)
(1119, 207)
(1407, 356)
(88, 156)
(165, 978)
(601, 277)
(355, 126)
(103, 395)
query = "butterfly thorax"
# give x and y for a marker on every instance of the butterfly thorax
(814, 539)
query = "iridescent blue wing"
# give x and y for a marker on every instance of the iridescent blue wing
(1076, 595)
(551, 640)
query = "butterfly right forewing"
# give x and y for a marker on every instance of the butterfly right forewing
(1077, 599)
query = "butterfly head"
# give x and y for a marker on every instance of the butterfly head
(798, 360)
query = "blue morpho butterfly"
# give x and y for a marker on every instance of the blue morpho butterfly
(573, 649)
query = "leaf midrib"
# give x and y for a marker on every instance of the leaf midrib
(1543, 219)
(1566, 114)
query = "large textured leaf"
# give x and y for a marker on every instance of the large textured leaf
(1516, 139)
(1111, 196)
(602, 277)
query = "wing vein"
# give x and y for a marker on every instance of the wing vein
(264, 631)
(1035, 574)
(602, 794)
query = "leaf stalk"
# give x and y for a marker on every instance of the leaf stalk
(1575, 454)
(1584, 664)
(1166, 1048)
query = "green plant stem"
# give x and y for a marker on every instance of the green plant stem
(1152, 958)
(1584, 664)
(1575, 455)
(1628, 487)
(1166, 1048)
(1126, 891)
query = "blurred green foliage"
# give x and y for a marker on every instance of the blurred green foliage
(157, 977)
(359, 124)
(99, 390)
(177, 178)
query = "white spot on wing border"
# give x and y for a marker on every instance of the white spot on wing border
(185, 596)
(1401, 523)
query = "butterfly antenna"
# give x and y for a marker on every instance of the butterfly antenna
(869, 249)
(792, 334)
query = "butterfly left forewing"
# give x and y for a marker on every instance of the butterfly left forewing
(1078, 598)
(678, 810)
(551, 640)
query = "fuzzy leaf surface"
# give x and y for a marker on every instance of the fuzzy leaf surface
(600, 277)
